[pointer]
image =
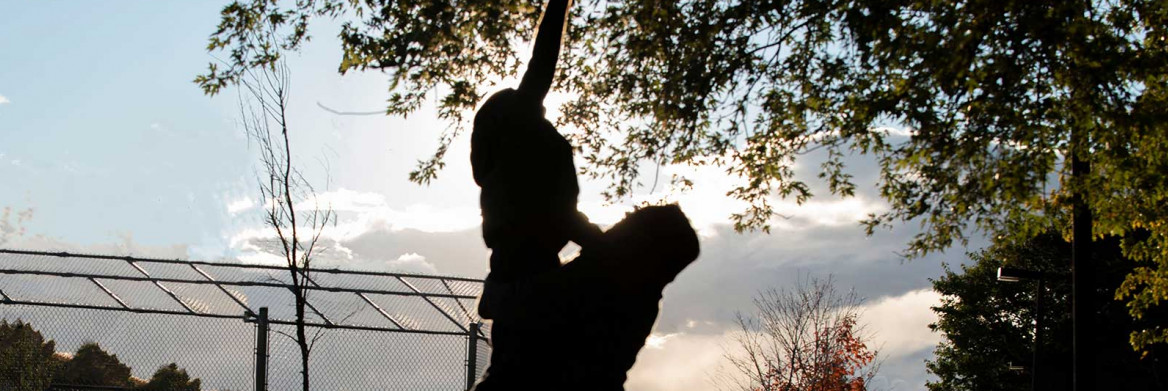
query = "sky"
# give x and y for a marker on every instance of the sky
(110, 147)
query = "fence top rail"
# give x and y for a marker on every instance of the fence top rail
(235, 283)
(398, 301)
(244, 317)
(63, 254)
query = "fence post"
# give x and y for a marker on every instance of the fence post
(261, 350)
(472, 354)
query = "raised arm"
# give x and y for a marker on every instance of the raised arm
(537, 81)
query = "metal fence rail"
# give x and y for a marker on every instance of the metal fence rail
(377, 330)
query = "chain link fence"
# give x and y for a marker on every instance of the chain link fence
(371, 331)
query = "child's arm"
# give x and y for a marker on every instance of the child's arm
(537, 80)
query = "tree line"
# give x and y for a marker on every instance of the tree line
(30, 362)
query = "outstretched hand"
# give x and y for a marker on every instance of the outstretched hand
(541, 70)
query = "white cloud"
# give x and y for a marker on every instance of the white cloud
(4, 100)
(678, 362)
(360, 212)
(239, 205)
(708, 206)
(657, 341)
(345, 200)
(411, 263)
(896, 131)
(901, 323)
(369, 234)
(261, 258)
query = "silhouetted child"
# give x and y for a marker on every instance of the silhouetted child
(528, 179)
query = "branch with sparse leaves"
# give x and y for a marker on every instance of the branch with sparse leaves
(263, 106)
(800, 339)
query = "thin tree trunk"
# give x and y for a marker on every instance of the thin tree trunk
(302, 340)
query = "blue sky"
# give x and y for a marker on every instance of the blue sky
(104, 134)
(107, 136)
(106, 139)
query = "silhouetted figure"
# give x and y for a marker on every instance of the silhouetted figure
(578, 326)
(528, 180)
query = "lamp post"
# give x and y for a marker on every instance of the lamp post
(1009, 274)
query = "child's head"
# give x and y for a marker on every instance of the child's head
(499, 112)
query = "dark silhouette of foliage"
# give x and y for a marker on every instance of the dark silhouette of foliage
(171, 378)
(982, 98)
(93, 366)
(989, 324)
(29, 362)
(26, 358)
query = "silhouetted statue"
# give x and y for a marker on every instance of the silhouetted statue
(578, 326)
(528, 180)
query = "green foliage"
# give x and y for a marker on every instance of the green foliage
(29, 362)
(988, 324)
(95, 367)
(26, 358)
(988, 92)
(171, 378)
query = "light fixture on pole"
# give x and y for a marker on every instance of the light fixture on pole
(1009, 274)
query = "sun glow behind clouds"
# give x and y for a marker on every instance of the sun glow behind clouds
(708, 206)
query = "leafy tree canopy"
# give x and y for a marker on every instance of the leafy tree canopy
(26, 358)
(988, 324)
(171, 378)
(93, 366)
(987, 92)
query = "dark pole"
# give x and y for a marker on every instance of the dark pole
(472, 354)
(1035, 384)
(1082, 308)
(261, 351)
